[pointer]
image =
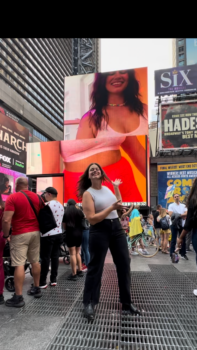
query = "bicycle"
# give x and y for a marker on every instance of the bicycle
(151, 248)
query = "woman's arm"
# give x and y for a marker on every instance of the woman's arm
(136, 152)
(158, 218)
(116, 184)
(189, 219)
(89, 210)
(85, 129)
(128, 212)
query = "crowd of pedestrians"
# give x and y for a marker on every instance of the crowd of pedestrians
(101, 223)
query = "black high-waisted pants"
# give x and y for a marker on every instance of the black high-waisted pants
(107, 234)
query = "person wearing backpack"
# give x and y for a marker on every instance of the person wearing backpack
(51, 240)
(165, 222)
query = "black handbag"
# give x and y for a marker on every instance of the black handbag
(45, 217)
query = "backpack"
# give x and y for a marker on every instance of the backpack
(164, 223)
(45, 217)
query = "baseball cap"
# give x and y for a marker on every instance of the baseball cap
(51, 190)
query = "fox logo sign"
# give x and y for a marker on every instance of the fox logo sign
(5, 159)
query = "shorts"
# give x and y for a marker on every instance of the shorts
(25, 246)
(157, 232)
(73, 241)
(165, 231)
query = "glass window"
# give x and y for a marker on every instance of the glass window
(181, 49)
(181, 63)
(181, 42)
(181, 56)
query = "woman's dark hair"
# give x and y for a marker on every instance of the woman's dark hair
(1, 202)
(5, 180)
(99, 97)
(192, 197)
(84, 182)
(72, 216)
(71, 202)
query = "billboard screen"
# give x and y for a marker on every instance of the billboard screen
(59, 157)
(57, 182)
(105, 121)
(7, 181)
(176, 80)
(107, 104)
(179, 125)
(179, 176)
(191, 51)
(13, 139)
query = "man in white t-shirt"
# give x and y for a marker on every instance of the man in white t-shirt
(50, 242)
(177, 208)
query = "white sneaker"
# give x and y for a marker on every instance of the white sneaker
(134, 253)
(140, 250)
(144, 251)
(195, 292)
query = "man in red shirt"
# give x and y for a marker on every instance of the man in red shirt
(24, 240)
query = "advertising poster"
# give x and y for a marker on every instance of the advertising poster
(191, 51)
(177, 176)
(51, 158)
(179, 125)
(57, 182)
(7, 181)
(13, 139)
(14, 117)
(178, 80)
(105, 121)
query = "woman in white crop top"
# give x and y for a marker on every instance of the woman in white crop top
(115, 120)
(100, 206)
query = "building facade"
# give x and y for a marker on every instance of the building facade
(32, 75)
(184, 51)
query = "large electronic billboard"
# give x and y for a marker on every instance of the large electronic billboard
(179, 125)
(13, 139)
(178, 177)
(7, 181)
(105, 121)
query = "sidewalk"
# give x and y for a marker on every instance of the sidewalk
(55, 321)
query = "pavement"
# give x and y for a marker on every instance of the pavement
(55, 322)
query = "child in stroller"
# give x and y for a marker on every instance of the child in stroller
(9, 270)
(63, 251)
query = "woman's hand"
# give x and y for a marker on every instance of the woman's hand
(118, 206)
(179, 243)
(117, 182)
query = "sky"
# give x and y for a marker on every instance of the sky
(134, 53)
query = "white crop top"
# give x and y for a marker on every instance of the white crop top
(103, 199)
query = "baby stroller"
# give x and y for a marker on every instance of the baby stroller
(63, 250)
(9, 270)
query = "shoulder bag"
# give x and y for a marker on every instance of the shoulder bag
(45, 217)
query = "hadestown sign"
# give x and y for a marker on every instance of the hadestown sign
(176, 80)
(13, 139)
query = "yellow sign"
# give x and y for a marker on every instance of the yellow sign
(178, 167)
